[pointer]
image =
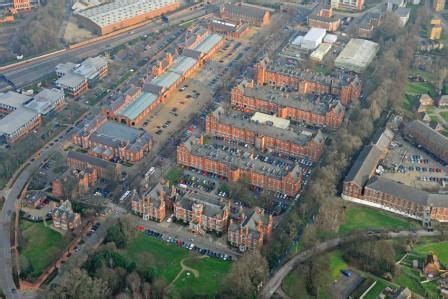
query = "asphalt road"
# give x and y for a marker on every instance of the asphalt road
(31, 72)
(276, 279)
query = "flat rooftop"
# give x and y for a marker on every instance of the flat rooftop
(319, 104)
(120, 10)
(208, 43)
(18, 116)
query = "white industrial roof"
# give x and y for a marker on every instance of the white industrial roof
(120, 10)
(276, 121)
(70, 80)
(315, 34)
(357, 54)
(13, 99)
(298, 40)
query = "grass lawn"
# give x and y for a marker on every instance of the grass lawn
(418, 88)
(410, 278)
(444, 114)
(166, 258)
(336, 263)
(166, 261)
(376, 290)
(211, 274)
(364, 218)
(42, 245)
(410, 101)
(174, 175)
(440, 249)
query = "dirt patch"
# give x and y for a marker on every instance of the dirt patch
(74, 34)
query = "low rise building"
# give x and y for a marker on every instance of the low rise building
(322, 110)
(253, 15)
(75, 79)
(16, 120)
(325, 19)
(285, 141)
(249, 229)
(438, 5)
(368, 25)
(346, 86)
(228, 28)
(119, 14)
(47, 101)
(318, 55)
(64, 218)
(202, 212)
(81, 161)
(357, 55)
(403, 14)
(313, 38)
(350, 5)
(107, 140)
(136, 103)
(193, 153)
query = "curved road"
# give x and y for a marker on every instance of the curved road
(275, 281)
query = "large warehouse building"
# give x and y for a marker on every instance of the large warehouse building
(357, 55)
(120, 14)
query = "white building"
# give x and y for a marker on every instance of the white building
(313, 38)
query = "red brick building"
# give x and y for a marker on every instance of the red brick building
(64, 218)
(104, 169)
(236, 126)
(202, 212)
(194, 154)
(21, 4)
(106, 140)
(322, 110)
(228, 28)
(133, 106)
(153, 204)
(249, 230)
(363, 186)
(242, 12)
(325, 19)
(346, 87)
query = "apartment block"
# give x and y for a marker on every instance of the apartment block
(264, 132)
(346, 86)
(319, 109)
(104, 169)
(193, 153)
(64, 218)
(153, 204)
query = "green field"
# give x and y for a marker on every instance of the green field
(376, 290)
(166, 260)
(418, 88)
(444, 114)
(410, 278)
(440, 249)
(410, 102)
(211, 273)
(336, 263)
(42, 245)
(363, 218)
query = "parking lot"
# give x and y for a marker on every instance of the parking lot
(413, 166)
